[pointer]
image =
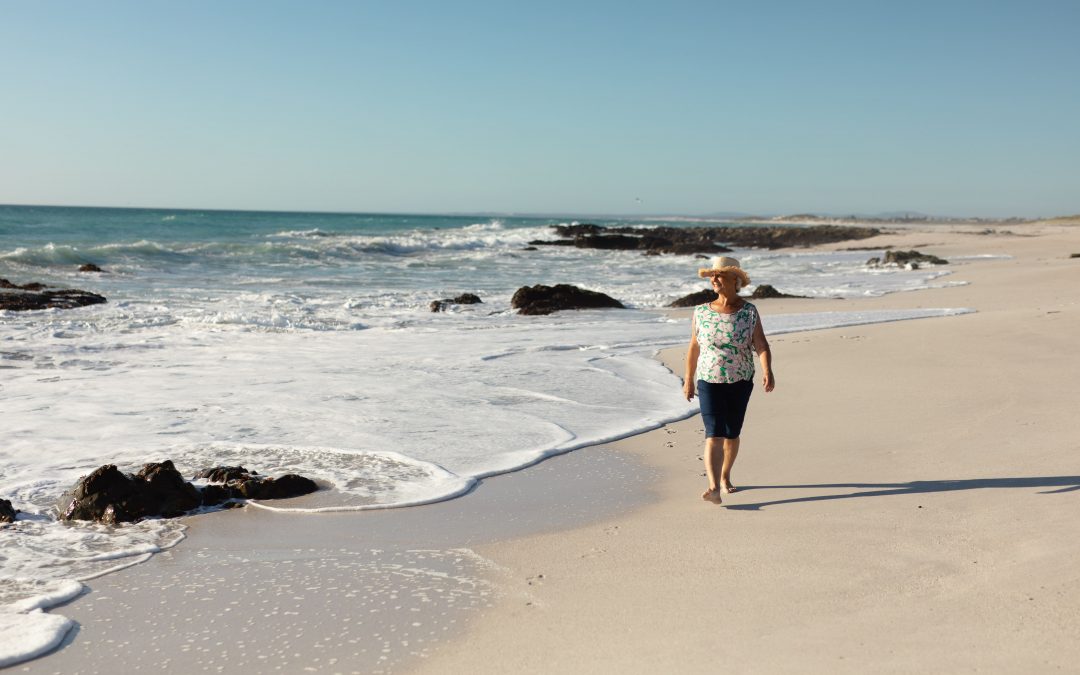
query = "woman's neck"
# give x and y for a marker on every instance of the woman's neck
(723, 300)
(726, 304)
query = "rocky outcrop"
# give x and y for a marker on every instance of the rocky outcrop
(90, 267)
(708, 295)
(902, 258)
(7, 512)
(537, 300)
(224, 474)
(905, 257)
(34, 296)
(767, 291)
(110, 496)
(463, 299)
(638, 241)
(106, 495)
(695, 299)
(578, 229)
(170, 495)
(238, 483)
(4, 283)
(691, 240)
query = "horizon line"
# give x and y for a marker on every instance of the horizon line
(732, 215)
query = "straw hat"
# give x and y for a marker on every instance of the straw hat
(725, 264)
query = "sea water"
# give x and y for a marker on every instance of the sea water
(302, 342)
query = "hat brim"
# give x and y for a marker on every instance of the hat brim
(712, 271)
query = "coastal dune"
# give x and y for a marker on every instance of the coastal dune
(907, 501)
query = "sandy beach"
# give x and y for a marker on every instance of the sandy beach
(908, 498)
(905, 503)
(349, 338)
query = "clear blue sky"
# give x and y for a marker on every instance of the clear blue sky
(964, 108)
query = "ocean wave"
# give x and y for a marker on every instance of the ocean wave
(490, 226)
(309, 246)
(101, 254)
(301, 234)
(420, 241)
(358, 480)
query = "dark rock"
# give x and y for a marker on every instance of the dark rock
(1074, 255)
(248, 489)
(767, 291)
(905, 257)
(106, 495)
(239, 482)
(7, 512)
(641, 240)
(554, 242)
(530, 248)
(577, 230)
(32, 296)
(620, 242)
(213, 495)
(224, 474)
(289, 485)
(463, 299)
(90, 267)
(171, 495)
(109, 496)
(695, 299)
(4, 283)
(913, 258)
(690, 240)
(536, 300)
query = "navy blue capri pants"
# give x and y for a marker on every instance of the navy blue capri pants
(723, 406)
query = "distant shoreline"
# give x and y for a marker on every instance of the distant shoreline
(745, 219)
(809, 219)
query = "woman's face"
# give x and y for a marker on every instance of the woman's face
(725, 283)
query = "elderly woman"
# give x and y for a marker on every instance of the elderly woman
(720, 366)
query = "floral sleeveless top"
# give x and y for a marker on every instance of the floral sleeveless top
(726, 341)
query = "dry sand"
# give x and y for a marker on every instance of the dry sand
(909, 501)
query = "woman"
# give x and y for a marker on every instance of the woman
(721, 368)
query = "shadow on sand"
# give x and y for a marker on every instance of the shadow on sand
(1057, 484)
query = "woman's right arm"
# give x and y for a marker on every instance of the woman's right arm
(692, 352)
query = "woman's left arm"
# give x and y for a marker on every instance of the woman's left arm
(761, 346)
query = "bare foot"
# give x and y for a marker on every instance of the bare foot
(728, 487)
(712, 495)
